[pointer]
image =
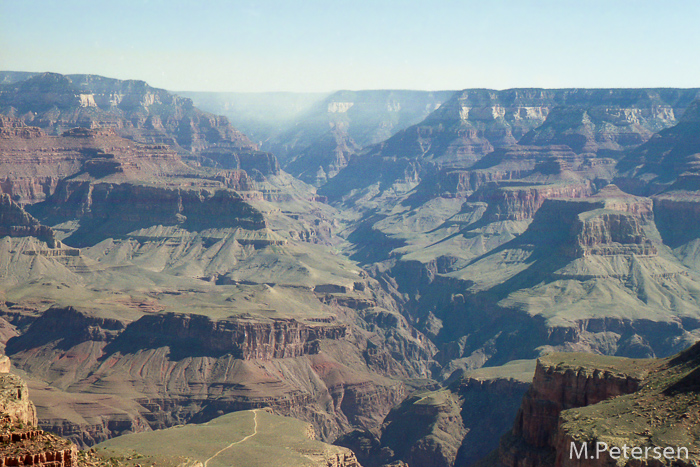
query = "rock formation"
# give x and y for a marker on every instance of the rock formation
(116, 209)
(132, 109)
(455, 425)
(209, 281)
(672, 153)
(21, 443)
(475, 122)
(16, 222)
(329, 134)
(582, 400)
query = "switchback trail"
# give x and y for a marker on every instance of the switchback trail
(255, 432)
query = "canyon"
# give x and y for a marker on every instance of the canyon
(389, 282)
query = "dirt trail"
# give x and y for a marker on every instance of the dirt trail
(255, 432)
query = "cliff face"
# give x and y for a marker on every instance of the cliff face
(16, 128)
(511, 163)
(475, 122)
(16, 222)
(130, 107)
(14, 399)
(608, 223)
(555, 389)
(244, 340)
(39, 163)
(116, 209)
(521, 203)
(134, 110)
(189, 368)
(454, 425)
(603, 129)
(581, 400)
(22, 442)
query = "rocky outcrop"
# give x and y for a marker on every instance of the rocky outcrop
(556, 388)
(14, 400)
(21, 443)
(11, 127)
(608, 223)
(16, 222)
(29, 446)
(577, 401)
(511, 163)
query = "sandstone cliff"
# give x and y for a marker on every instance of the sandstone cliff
(578, 400)
(211, 367)
(475, 122)
(23, 443)
(109, 210)
(134, 110)
(62, 102)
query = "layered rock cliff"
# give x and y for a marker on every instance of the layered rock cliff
(608, 223)
(134, 110)
(39, 163)
(521, 202)
(16, 222)
(58, 102)
(631, 406)
(475, 122)
(22, 443)
(606, 129)
(110, 210)
(187, 368)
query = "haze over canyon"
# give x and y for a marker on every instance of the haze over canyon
(357, 278)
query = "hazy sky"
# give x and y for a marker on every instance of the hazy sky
(309, 45)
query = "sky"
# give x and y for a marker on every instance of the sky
(322, 46)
